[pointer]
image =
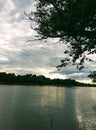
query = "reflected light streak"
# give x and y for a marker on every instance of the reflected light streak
(51, 96)
(85, 114)
(77, 109)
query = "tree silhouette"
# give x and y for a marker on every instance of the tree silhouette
(72, 21)
(29, 79)
(92, 75)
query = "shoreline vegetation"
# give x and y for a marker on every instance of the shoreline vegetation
(29, 79)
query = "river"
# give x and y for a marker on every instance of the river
(47, 108)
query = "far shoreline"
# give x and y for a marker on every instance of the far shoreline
(30, 79)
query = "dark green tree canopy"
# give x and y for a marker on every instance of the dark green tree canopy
(92, 76)
(72, 21)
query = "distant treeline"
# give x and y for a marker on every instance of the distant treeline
(30, 79)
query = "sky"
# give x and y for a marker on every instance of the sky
(19, 55)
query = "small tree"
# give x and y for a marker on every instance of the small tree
(72, 21)
(92, 75)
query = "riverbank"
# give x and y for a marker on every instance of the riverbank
(29, 79)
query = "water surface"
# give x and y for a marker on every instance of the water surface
(47, 108)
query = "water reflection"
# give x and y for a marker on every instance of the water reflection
(51, 96)
(46, 108)
(85, 99)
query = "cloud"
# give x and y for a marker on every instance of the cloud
(38, 57)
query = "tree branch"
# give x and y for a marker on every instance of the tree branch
(29, 17)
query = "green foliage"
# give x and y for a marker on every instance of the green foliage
(73, 21)
(30, 79)
(92, 75)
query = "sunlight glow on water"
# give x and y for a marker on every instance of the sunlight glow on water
(86, 98)
(47, 108)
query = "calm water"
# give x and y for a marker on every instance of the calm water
(47, 108)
